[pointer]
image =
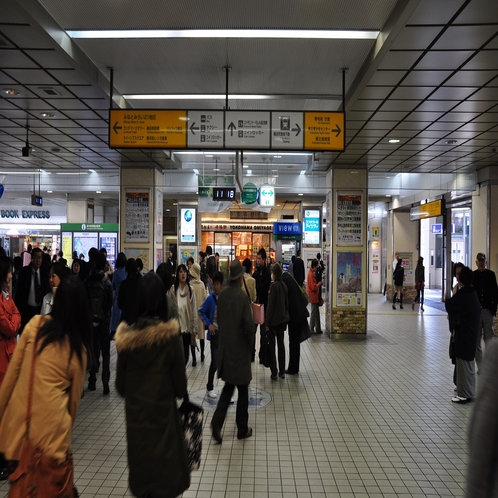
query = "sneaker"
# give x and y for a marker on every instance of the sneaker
(459, 399)
(211, 394)
(232, 400)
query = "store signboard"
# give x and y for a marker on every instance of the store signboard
(287, 228)
(187, 225)
(312, 226)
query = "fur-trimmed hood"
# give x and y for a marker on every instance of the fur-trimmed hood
(145, 334)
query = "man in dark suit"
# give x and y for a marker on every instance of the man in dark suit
(299, 269)
(31, 287)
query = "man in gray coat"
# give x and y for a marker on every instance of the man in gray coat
(235, 336)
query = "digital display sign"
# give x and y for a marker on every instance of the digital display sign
(187, 225)
(223, 193)
(312, 226)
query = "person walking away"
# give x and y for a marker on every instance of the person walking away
(202, 264)
(150, 375)
(276, 320)
(208, 314)
(298, 269)
(456, 273)
(235, 330)
(487, 292)
(290, 271)
(200, 293)
(99, 293)
(312, 288)
(211, 266)
(118, 276)
(398, 276)
(464, 315)
(249, 286)
(56, 275)
(419, 283)
(31, 287)
(128, 292)
(319, 275)
(10, 321)
(184, 296)
(262, 276)
(298, 313)
(58, 346)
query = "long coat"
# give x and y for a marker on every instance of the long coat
(235, 335)
(56, 396)
(151, 376)
(464, 313)
(200, 291)
(10, 321)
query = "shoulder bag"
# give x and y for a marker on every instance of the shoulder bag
(38, 475)
(191, 416)
(258, 310)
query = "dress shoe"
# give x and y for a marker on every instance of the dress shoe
(247, 434)
(394, 307)
(91, 387)
(202, 358)
(194, 362)
(281, 375)
(216, 433)
(291, 372)
(106, 389)
(274, 377)
(401, 307)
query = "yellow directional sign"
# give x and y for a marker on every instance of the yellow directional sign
(324, 131)
(148, 129)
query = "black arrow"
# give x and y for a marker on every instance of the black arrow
(116, 128)
(337, 130)
(231, 127)
(298, 129)
(192, 128)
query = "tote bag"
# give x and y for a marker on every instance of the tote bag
(258, 313)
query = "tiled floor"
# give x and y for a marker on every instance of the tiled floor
(365, 418)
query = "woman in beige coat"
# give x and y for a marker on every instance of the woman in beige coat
(61, 344)
(201, 293)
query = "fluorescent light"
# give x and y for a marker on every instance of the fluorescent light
(198, 152)
(222, 96)
(19, 172)
(245, 166)
(49, 191)
(280, 153)
(196, 171)
(394, 141)
(300, 194)
(98, 191)
(302, 172)
(306, 34)
(71, 173)
(91, 170)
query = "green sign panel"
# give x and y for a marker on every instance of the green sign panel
(89, 227)
(249, 193)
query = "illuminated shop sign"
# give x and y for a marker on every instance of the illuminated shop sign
(24, 214)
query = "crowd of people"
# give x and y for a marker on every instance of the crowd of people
(61, 321)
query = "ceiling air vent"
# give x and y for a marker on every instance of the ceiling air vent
(48, 90)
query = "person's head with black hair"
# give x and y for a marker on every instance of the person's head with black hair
(466, 276)
(140, 264)
(131, 267)
(247, 264)
(457, 268)
(17, 263)
(100, 261)
(314, 263)
(164, 273)
(121, 260)
(217, 282)
(152, 298)
(70, 321)
(181, 278)
(5, 272)
(92, 252)
(209, 250)
(190, 261)
(103, 250)
(57, 273)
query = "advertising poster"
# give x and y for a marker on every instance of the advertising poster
(348, 283)
(349, 218)
(185, 252)
(312, 226)
(84, 241)
(407, 264)
(143, 254)
(187, 225)
(137, 212)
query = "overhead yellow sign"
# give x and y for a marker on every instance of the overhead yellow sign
(135, 128)
(324, 131)
(427, 210)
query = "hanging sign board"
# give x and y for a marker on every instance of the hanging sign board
(427, 210)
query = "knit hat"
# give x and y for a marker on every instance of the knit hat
(195, 271)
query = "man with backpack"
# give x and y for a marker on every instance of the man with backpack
(99, 292)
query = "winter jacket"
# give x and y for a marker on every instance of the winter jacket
(277, 311)
(128, 298)
(312, 287)
(151, 376)
(10, 321)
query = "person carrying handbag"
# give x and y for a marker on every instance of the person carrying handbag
(40, 395)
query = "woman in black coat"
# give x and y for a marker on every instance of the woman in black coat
(150, 375)
(464, 315)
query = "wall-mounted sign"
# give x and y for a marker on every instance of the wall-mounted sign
(137, 210)
(427, 210)
(25, 214)
(287, 228)
(437, 228)
(267, 196)
(223, 193)
(312, 226)
(236, 227)
(349, 218)
(187, 225)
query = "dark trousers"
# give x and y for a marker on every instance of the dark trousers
(214, 362)
(420, 297)
(241, 415)
(186, 345)
(262, 334)
(101, 344)
(294, 347)
(277, 335)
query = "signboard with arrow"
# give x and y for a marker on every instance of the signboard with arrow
(225, 129)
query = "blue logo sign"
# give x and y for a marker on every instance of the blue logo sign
(188, 215)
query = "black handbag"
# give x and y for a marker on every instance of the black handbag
(192, 416)
(305, 332)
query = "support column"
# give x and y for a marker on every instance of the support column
(349, 251)
(80, 211)
(141, 215)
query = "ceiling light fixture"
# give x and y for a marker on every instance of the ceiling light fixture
(47, 115)
(222, 96)
(300, 194)
(73, 173)
(98, 191)
(11, 92)
(451, 142)
(394, 141)
(306, 34)
(49, 191)
(91, 170)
